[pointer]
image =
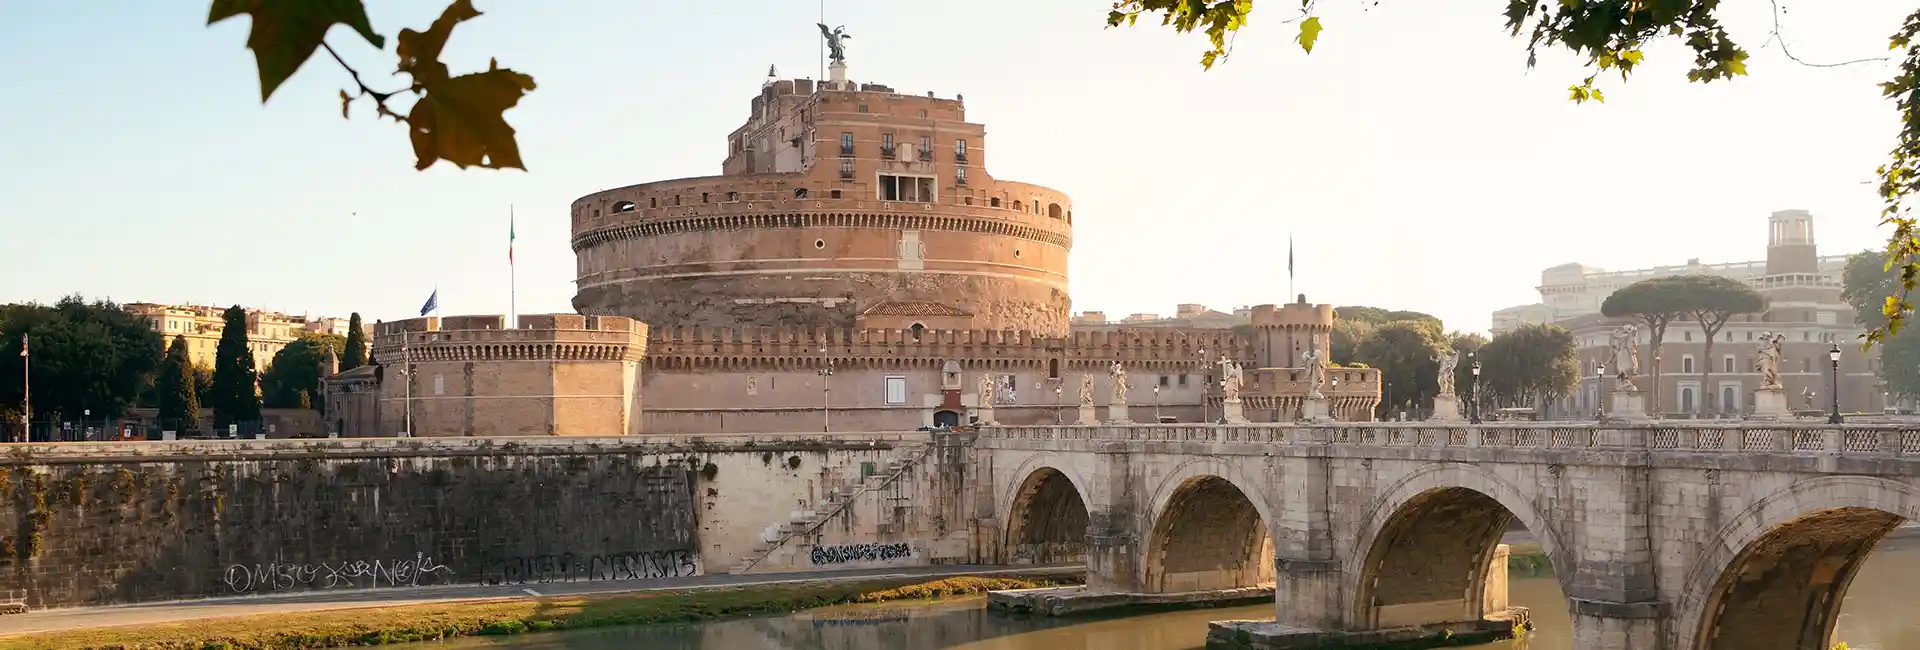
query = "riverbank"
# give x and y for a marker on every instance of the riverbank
(385, 625)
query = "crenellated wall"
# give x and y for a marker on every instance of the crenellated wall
(556, 374)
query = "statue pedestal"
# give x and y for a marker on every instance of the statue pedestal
(985, 414)
(1446, 408)
(1087, 416)
(1117, 413)
(1770, 404)
(1231, 411)
(837, 72)
(1627, 407)
(1315, 409)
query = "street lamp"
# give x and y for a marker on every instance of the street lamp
(1833, 356)
(1056, 406)
(26, 397)
(1600, 386)
(1473, 401)
(826, 392)
(1206, 409)
(1156, 403)
(406, 370)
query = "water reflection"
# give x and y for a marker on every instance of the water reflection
(1881, 614)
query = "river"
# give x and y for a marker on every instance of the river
(1882, 612)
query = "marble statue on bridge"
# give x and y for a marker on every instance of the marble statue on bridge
(986, 390)
(1449, 360)
(1767, 362)
(1086, 390)
(1316, 373)
(1231, 379)
(1624, 357)
(1119, 374)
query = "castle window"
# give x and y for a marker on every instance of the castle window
(966, 199)
(926, 147)
(846, 144)
(923, 112)
(995, 202)
(799, 192)
(1166, 381)
(833, 194)
(1018, 206)
(886, 145)
(676, 199)
(846, 169)
(624, 206)
(703, 197)
(863, 108)
(1183, 381)
(960, 151)
(913, 189)
(819, 243)
(896, 390)
(960, 177)
(916, 331)
(653, 201)
(733, 196)
(1053, 368)
(1053, 210)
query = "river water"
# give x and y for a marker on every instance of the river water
(1882, 612)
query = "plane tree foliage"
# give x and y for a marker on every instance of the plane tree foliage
(1612, 37)
(1867, 279)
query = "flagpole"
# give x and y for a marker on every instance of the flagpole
(1290, 293)
(26, 398)
(513, 277)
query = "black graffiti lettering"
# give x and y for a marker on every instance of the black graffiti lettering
(846, 553)
(567, 567)
(280, 576)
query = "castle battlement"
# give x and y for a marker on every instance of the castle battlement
(548, 337)
(782, 346)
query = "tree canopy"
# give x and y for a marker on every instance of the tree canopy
(179, 398)
(1405, 352)
(1867, 280)
(354, 353)
(1530, 365)
(86, 356)
(1377, 316)
(293, 381)
(235, 398)
(1612, 36)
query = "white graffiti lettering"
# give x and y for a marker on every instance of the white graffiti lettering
(845, 553)
(281, 576)
(567, 567)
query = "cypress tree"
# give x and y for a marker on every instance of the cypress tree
(235, 398)
(179, 400)
(356, 352)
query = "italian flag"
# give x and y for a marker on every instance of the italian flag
(509, 236)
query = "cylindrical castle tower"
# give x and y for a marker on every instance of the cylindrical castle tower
(840, 206)
(1285, 333)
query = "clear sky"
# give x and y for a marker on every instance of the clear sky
(1415, 160)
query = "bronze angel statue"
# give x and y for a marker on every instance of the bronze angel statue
(836, 50)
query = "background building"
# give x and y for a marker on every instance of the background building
(267, 331)
(1802, 289)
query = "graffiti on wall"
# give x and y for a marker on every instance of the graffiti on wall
(355, 574)
(845, 553)
(567, 567)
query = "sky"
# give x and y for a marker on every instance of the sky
(1413, 158)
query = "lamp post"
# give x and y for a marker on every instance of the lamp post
(1600, 387)
(1473, 401)
(406, 370)
(1833, 357)
(1156, 403)
(826, 392)
(1206, 409)
(26, 397)
(1056, 406)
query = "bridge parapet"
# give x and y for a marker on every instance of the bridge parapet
(1869, 440)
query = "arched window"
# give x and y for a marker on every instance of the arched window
(1053, 369)
(995, 202)
(624, 206)
(917, 330)
(1727, 402)
(1017, 206)
(1053, 210)
(1686, 400)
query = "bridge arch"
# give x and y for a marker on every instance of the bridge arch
(1210, 530)
(1423, 548)
(1047, 513)
(1801, 547)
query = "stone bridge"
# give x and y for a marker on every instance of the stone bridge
(1662, 536)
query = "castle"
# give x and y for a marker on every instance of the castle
(855, 267)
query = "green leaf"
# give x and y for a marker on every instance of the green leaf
(286, 32)
(459, 120)
(1309, 33)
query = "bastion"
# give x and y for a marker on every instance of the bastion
(554, 374)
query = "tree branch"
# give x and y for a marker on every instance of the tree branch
(379, 98)
(1777, 36)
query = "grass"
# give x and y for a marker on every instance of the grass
(1528, 560)
(384, 625)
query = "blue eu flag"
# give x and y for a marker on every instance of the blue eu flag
(433, 303)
